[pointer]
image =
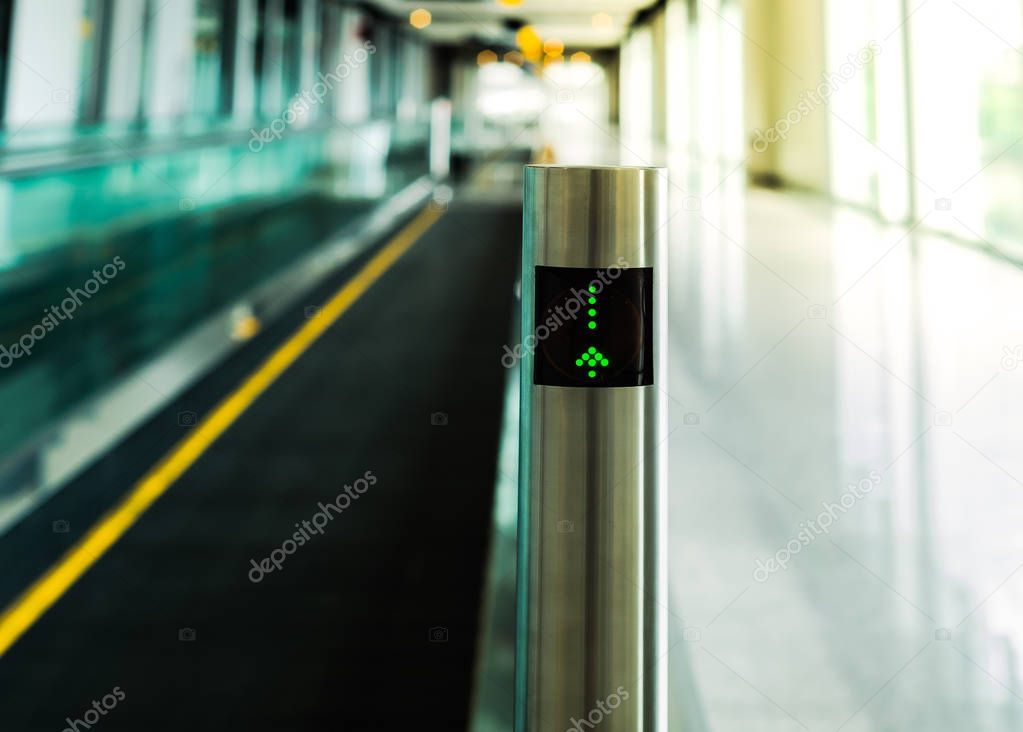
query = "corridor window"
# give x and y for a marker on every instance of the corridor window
(969, 117)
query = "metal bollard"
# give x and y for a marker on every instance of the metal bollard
(592, 615)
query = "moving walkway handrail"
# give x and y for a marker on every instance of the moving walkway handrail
(87, 151)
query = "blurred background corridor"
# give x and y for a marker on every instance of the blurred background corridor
(259, 271)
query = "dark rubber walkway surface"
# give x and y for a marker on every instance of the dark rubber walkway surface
(340, 637)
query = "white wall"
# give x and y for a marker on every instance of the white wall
(353, 98)
(45, 69)
(682, 84)
(637, 91)
(124, 75)
(787, 59)
(245, 61)
(171, 60)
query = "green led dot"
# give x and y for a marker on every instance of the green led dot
(593, 288)
(592, 325)
(592, 350)
(604, 362)
(598, 355)
(592, 312)
(593, 301)
(592, 374)
(578, 362)
(592, 362)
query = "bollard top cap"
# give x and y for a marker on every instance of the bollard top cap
(594, 215)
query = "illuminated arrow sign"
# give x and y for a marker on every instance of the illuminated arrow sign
(594, 329)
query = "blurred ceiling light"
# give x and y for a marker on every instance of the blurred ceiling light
(514, 57)
(553, 47)
(505, 94)
(509, 2)
(486, 57)
(602, 20)
(580, 57)
(529, 43)
(420, 18)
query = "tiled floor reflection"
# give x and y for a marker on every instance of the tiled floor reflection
(828, 369)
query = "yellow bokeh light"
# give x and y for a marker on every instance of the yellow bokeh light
(420, 18)
(486, 57)
(553, 47)
(602, 20)
(553, 59)
(580, 57)
(529, 43)
(509, 2)
(245, 328)
(514, 57)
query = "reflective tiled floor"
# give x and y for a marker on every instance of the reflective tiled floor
(844, 492)
(845, 550)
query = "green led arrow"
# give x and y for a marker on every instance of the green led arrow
(592, 359)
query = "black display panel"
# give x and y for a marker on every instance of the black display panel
(594, 327)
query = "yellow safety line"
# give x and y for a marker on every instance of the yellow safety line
(49, 588)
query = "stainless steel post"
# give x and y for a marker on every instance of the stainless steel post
(592, 575)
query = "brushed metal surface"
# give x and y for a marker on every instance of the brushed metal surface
(591, 216)
(592, 588)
